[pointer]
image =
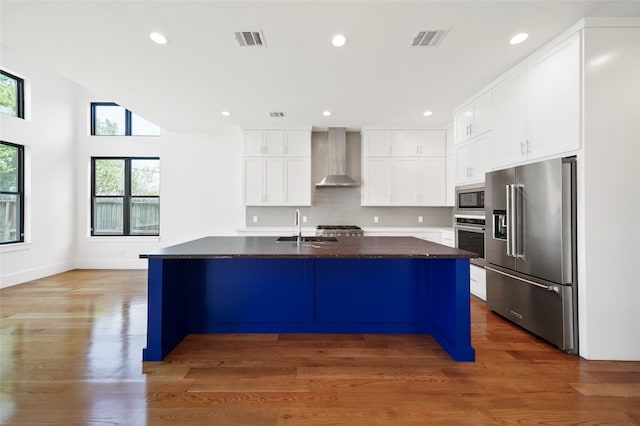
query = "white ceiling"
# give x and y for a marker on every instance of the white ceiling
(375, 80)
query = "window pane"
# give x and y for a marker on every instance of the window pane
(145, 177)
(9, 218)
(108, 216)
(145, 216)
(8, 168)
(110, 120)
(143, 127)
(109, 175)
(8, 95)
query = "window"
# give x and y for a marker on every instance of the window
(11, 95)
(110, 119)
(11, 193)
(125, 194)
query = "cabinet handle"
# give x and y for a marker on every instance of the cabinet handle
(528, 146)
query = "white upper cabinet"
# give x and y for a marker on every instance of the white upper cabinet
(277, 168)
(297, 144)
(509, 118)
(473, 159)
(451, 168)
(376, 181)
(474, 118)
(553, 82)
(377, 143)
(404, 168)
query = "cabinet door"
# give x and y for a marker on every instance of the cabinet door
(405, 143)
(481, 115)
(481, 157)
(404, 190)
(273, 176)
(463, 120)
(451, 167)
(274, 143)
(509, 119)
(297, 144)
(432, 182)
(253, 181)
(554, 100)
(377, 182)
(432, 143)
(297, 181)
(253, 141)
(377, 143)
(463, 160)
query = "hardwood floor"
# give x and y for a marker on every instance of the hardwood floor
(72, 345)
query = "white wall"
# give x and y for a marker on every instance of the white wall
(609, 269)
(200, 189)
(49, 139)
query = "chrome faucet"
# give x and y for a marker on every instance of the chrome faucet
(299, 225)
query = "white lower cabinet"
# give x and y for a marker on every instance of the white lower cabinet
(448, 238)
(478, 282)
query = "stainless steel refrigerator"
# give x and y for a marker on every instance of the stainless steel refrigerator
(530, 248)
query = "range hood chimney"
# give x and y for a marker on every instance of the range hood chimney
(337, 161)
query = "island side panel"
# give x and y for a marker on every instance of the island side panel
(369, 295)
(255, 296)
(451, 307)
(168, 281)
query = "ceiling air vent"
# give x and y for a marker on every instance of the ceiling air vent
(250, 38)
(276, 114)
(428, 38)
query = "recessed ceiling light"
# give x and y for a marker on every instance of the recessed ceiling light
(226, 113)
(326, 113)
(518, 38)
(158, 38)
(338, 40)
(427, 113)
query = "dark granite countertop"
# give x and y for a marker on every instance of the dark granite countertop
(345, 247)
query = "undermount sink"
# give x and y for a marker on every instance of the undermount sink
(314, 239)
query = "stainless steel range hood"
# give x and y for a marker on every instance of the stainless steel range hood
(337, 161)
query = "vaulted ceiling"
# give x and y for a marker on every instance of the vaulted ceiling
(376, 79)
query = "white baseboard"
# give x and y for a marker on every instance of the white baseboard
(20, 277)
(111, 264)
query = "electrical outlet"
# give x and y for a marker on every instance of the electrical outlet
(375, 219)
(419, 219)
(255, 219)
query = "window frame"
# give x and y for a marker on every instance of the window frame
(126, 197)
(19, 94)
(128, 120)
(19, 192)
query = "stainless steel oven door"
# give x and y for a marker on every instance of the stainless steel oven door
(471, 238)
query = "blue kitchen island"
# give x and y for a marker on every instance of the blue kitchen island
(352, 285)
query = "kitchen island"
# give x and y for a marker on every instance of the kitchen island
(353, 285)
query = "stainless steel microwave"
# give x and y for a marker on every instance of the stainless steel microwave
(470, 200)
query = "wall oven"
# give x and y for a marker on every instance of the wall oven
(469, 220)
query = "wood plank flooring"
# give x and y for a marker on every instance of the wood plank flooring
(72, 345)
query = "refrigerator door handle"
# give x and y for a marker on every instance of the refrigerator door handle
(518, 222)
(554, 288)
(508, 218)
(512, 237)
